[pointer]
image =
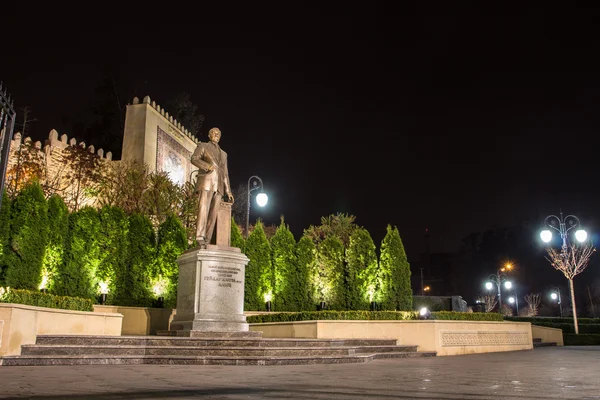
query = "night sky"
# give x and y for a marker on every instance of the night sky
(447, 118)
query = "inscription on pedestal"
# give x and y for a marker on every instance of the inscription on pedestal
(224, 275)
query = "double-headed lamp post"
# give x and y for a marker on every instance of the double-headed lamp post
(555, 295)
(261, 198)
(564, 226)
(499, 278)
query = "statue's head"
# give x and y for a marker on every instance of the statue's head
(214, 135)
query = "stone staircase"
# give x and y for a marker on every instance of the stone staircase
(94, 350)
(537, 342)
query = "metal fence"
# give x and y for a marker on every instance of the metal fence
(7, 125)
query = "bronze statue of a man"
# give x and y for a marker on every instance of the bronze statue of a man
(211, 185)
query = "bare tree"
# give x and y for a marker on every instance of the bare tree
(571, 261)
(489, 300)
(533, 300)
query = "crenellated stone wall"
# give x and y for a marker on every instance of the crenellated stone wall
(154, 137)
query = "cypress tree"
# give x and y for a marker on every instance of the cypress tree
(395, 273)
(283, 248)
(330, 273)
(114, 245)
(77, 275)
(259, 273)
(237, 240)
(58, 228)
(305, 262)
(132, 286)
(172, 241)
(4, 235)
(28, 238)
(361, 270)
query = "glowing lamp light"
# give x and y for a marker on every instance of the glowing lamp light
(488, 285)
(546, 235)
(262, 199)
(508, 284)
(511, 300)
(424, 313)
(554, 296)
(103, 287)
(581, 235)
(44, 284)
(268, 296)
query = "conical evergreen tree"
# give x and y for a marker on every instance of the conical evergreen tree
(77, 275)
(28, 238)
(330, 273)
(361, 270)
(283, 248)
(114, 246)
(172, 241)
(396, 290)
(237, 240)
(4, 235)
(305, 261)
(259, 272)
(58, 229)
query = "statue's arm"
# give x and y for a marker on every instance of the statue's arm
(197, 160)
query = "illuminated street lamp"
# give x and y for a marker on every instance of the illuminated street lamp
(552, 220)
(556, 296)
(499, 278)
(514, 299)
(261, 198)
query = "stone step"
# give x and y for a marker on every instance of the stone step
(207, 351)
(38, 360)
(205, 342)
(198, 334)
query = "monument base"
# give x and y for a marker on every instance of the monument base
(210, 291)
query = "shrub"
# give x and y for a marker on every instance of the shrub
(77, 276)
(370, 315)
(571, 339)
(39, 299)
(395, 272)
(28, 238)
(284, 261)
(259, 272)
(172, 241)
(305, 256)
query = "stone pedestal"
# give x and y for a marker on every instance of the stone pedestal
(210, 291)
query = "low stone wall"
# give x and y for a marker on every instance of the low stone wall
(20, 324)
(548, 334)
(445, 337)
(141, 320)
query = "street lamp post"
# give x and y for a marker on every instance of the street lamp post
(569, 266)
(498, 278)
(261, 198)
(556, 296)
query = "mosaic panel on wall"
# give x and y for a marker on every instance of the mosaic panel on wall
(172, 158)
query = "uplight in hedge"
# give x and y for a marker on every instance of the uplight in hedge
(44, 284)
(268, 296)
(103, 287)
(159, 286)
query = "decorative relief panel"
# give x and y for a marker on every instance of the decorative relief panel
(482, 338)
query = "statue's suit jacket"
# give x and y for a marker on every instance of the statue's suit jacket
(217, 180)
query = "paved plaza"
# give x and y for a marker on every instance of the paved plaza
(542, 373)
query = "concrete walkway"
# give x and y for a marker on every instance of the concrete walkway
(542, 373)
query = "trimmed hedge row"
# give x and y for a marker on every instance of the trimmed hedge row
(369, 315)
(570, 339)
(39, 299)
(569, 328)
(555, 320)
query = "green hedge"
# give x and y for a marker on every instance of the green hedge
(570, 339)
(369, 315)
(39, 299)
(555, 320)
(569, 328)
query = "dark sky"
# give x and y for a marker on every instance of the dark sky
(451, 118)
